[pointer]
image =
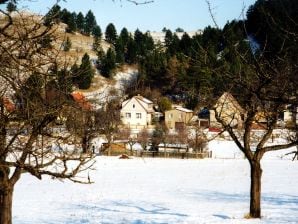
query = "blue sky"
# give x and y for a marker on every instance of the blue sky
(190, 15)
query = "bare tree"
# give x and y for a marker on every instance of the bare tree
(264, 86)
(125, 135)
(107, 119)
(81, 124)
(28, 109)
(143, 138)
(197, 139)
(182, 137)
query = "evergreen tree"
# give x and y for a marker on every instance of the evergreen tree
(120, 51)
(46, 42)
(124, 36)
(273, 25)
(168, 38)
(64, 81)
(72, 25)
(138, 37)
(90, 22)
(11, 6)
(67, 44)
(65, 16)
(121, 46)
(173, 44)
(111, 34)
(149, 42)
(179, 30)
(53, 16)
(108, 63)
(69, 19)
(80, 21)
(131, 52)
(96, 44)
(185, 44)
(164, 104)
(82, 76)
(140, 41)
(74, 71)
(96, 32)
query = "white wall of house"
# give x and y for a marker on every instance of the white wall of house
(288, 116)
(133, 113)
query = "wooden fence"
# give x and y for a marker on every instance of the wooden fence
(159, 154)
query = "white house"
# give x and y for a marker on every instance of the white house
(137, 112)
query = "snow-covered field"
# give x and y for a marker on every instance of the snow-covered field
(155, 191)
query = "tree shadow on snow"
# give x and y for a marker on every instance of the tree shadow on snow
(124, 212)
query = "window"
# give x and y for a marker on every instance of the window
(139, 115)
(127, 115)
(170, 116)
(133, 106)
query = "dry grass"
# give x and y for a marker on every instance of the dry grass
(247, 216)
(80, 44)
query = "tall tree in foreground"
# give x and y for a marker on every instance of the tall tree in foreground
(264, 85)
(27, 117)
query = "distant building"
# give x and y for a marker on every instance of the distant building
(177, 117)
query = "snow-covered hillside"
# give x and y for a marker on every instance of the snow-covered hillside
(150, 190)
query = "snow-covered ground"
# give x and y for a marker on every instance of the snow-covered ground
(155, 191)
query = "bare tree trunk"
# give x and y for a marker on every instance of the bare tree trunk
(6, 193)
(85, 144)
(255, 189)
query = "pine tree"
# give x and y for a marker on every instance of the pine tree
(53, 16)
(108, 63)
(90, 22)
(80, 21)
(111, 34)
(124, 36)
(96, 44)
(119, 50)
(96, 32)
(185, 44)
(168, 38)
(67, 44)
(11, 6)
(72, 24)
(65, 16)
(131, 52)
(82, 76)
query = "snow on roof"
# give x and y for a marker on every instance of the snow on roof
(145, 100)
(184, 109)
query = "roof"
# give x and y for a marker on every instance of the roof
(81, 100)
(9, 106)
(145, 100)
(180, 108)
(228, 97)
(184, 109)
(140, 99)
